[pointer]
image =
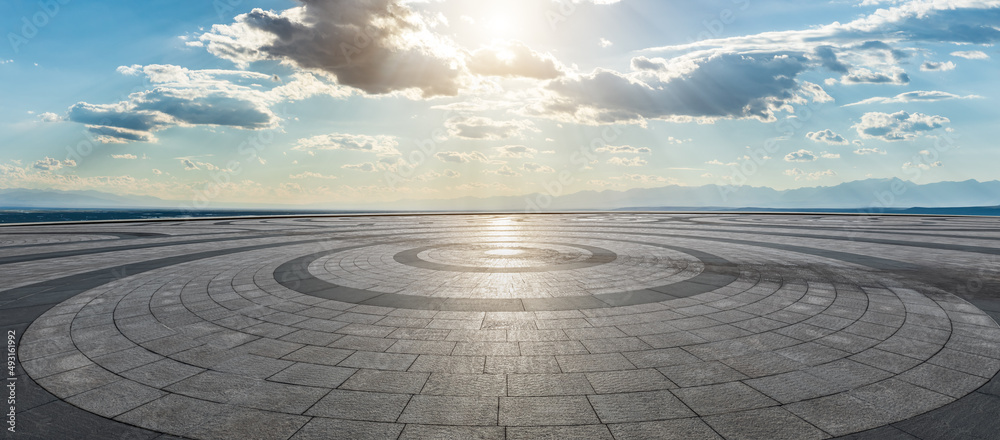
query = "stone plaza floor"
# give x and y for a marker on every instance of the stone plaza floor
(506, 326)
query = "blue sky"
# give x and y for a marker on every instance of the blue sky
(351, 102)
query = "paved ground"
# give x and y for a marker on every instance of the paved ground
(576, 326)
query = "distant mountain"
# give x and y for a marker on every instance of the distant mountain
(36, 198)
(891, 195)
(861, 194)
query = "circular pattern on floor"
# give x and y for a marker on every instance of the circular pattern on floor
(441, 325)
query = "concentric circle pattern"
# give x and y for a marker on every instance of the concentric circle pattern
(520, 326)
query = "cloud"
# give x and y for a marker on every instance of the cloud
(184, 97)
(517, 151)
(513, 59)
(124, 156)
(366, 167)
(922, 165)
(865, 76)
(899, 126)
(721, 163)
(457, 157)
(633, 162)
(532, 167)
(971, 54)
(914, 96)
(505, 171)
(723, 86)
(311, 175)
(381, 145)
(866, 151)
(377, 46)
(800, 175)
(827, 136)
(479, 127)
(50, 164)
(930, 66)
(642, 178)
(49, 117)
(604, 42)
(189, 164)
(828, 155)
(800, 156)
(624, 149)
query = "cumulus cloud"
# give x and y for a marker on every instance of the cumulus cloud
(513, 59)
(800, 156)
(914, 96)
(381, 145)
(721, 86)
(624, 149)
(604, 42)
(930, 66)
(865, 76)
(49, 117)
(458, 157)
(50, 164)
(377, 46)
(126, 156)
(827, 136)
(184, 97)
(621, 161)
(480, 127)
(517, 151)
(899, 126)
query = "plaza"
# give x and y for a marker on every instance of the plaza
(587, 325)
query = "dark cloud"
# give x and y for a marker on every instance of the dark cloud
(723, 86)
(371, 45)
(828, 58)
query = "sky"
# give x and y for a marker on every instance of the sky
(349, 102)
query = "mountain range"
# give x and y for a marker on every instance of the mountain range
(871, 195)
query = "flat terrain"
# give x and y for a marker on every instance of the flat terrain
(506, 326)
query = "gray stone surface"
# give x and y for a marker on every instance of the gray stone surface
(555, 326)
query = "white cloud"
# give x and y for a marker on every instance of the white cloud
(380, 145)
(827, 136)
(458, 157)
(126, 156)
(513, 59)
(604, 42)
(311, 175)
(51, 164)
(505, 171)
(899, 126)
(517, 151)
(971, 54)
(624, 149)
(931, 66)
(800, 156)
(49, 117)
(828, 155)
(865, 151)
(366, 167)
(914, 96)
(532, 167)
(633, 162)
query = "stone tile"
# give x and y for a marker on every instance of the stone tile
(322, 429)
(596, 432)
(115, 398)
(606, 382)
(545, 411)
(566, 384)
(723, 398)
(678, 429)
(249, 423)
(386, 381)
(466, 384)
(702, 373)
(764, 424)
(415, 431)
(451, 410)
(639, 407)
(360, 405)
(380, 361)
(521, 364)
(594, 362)
(429, 363)
(313, 375)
